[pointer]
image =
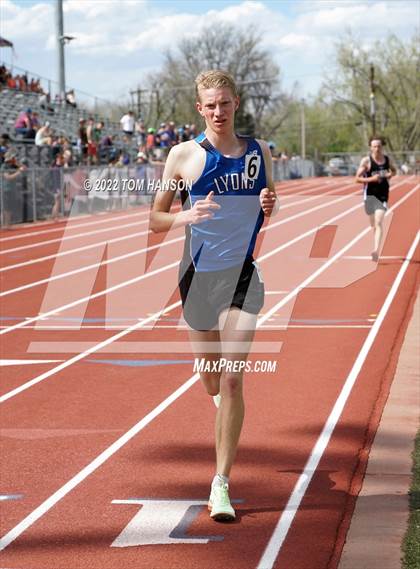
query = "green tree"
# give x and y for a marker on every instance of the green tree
(395, 65)
(223, 47)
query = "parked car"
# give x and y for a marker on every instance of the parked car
(340, 167)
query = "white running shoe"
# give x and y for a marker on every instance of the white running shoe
(217, 399)
(219, 504)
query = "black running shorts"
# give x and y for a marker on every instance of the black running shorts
(205, 294)
(372, 203)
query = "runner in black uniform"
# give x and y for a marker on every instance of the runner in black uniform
(374, 173)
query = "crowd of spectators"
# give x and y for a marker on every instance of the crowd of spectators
(155, 143)
(19, 82)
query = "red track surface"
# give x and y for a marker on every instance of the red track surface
(53, 429)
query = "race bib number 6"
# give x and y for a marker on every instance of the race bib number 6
(252, 166)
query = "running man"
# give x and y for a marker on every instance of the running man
(374, 172)
(231, 190)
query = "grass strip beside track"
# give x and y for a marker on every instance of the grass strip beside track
(411, 543)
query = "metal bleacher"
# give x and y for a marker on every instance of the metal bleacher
(63, 119)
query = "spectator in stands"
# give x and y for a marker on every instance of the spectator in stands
(23, 82)
(106, 145)
(35, 121)
(43, 135)
(141, 158)
(11, 170)
(3, 75)
(127, 124)
(82, 141)
(44, 102)
(24, 125)
(71, 98)
(193, 131)
(11, 82)
(123, 160)
(141, 173)
(140, 131)
(168, 137)
(66, 144)
(91, 141)
(67, 158)
(4, 146)
(150, 141)
(57, 181)
(272, 147)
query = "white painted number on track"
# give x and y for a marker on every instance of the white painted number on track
(162, 522)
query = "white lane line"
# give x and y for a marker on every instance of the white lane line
(85, 298)
(308, 190)
(73, 251)
(96, 463)
(26, 362)
(164, 244)
(105, 455)
(318, 326)
(276, 292)
(76, 236)
(282, 528)
(184, 327)
(369, 258)
(66, 225)
(166, 267)
(92, 266)
(115, 240)
(86, 353)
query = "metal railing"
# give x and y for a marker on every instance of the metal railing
(44, 193)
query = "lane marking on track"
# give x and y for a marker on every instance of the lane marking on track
(116, 240)
(6, 497)
(96, 463)
(276, 292)
(66, 225)
(369, 258)
(166, 267)
(72, 251)
(77, 236)
(185, 327)
(90, 267)
(281, 530)
(26, 362)
(82, 355)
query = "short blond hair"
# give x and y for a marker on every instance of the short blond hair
(214, 79)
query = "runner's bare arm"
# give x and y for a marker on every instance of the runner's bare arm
(268, 197)
(160, 218)
(392, 169)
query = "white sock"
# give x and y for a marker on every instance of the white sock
(220, 480)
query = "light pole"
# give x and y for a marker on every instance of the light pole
(60, 49)
(372, 99)
(302, 130)
(61, 41)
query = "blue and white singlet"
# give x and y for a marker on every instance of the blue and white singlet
(229, 237)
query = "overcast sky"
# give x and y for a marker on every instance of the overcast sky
(118, 42)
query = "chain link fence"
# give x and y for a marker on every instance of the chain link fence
(35, 194)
